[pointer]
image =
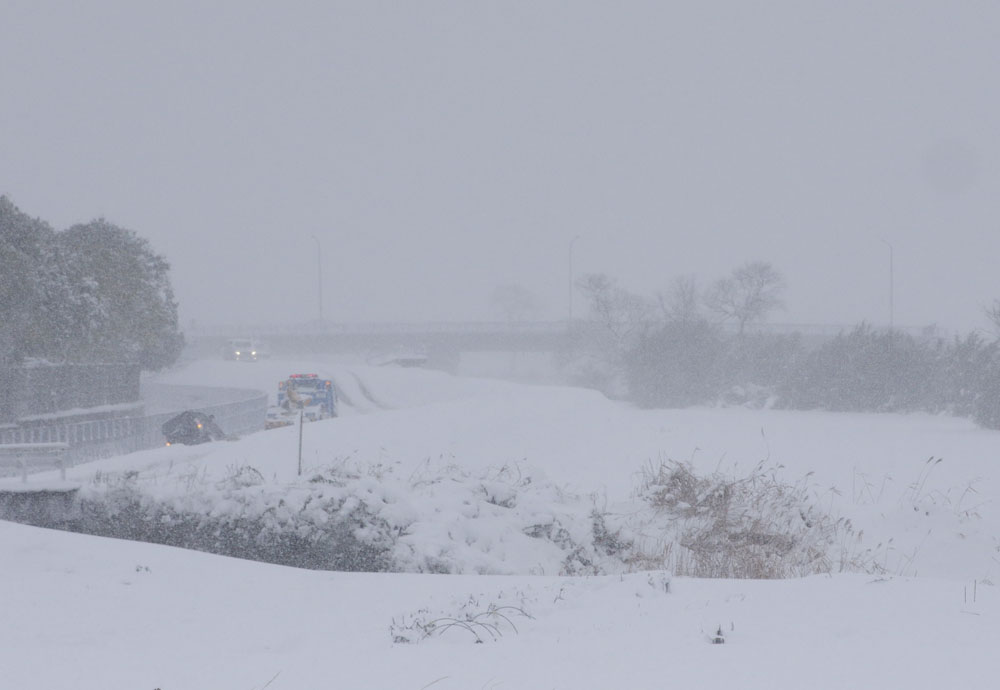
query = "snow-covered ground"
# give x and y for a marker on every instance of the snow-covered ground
(87, 612)
(91, 613)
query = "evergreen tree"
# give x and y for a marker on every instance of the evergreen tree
(27, 278)
(93, 293)
(122, 306)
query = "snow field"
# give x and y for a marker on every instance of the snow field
(921, 517)
(434, 450)
(116, 615)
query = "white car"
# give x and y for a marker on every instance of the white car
(243, 350)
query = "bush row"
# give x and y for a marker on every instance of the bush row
(864, 370)
(450, 521)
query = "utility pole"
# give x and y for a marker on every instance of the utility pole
(892, 306)
(319, 277)
(571, 243)
(892, 288)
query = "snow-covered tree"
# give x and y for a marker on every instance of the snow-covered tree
(27, 278)
(122, 305)
(93, 293)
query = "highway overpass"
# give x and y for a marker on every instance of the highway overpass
(444, 337)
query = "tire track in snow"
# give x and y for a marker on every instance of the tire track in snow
(343, 397)
(368, 394)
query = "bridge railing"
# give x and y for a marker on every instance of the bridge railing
(505, 327)
(379, 328)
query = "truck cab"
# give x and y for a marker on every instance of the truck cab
(315, 397)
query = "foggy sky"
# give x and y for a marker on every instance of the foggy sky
(438, 150)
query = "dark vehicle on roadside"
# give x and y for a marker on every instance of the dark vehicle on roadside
(191, 428)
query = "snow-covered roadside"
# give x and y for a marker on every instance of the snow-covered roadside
(94, 613)
(934, 517)
(105, 614)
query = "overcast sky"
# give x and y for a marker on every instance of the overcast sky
(438, 150)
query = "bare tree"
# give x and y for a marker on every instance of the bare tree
(680, 303)
(618, 320)
(993, 314)
(622, 313)
(749, 294)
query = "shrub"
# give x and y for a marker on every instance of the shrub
(867, 370)
(366, 518)
(747, 527)
(677, 366)
(306, 528)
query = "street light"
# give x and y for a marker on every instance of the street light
(891, 289)
(319, 277)
(571, 243)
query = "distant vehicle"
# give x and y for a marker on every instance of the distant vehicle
(315, 397)
(191, 428)
(244, 350)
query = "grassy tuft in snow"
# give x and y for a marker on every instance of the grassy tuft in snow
(477, 622)
(756, 526)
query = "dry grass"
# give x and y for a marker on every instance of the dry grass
(756, 526)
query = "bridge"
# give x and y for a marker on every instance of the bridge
(454, 337)
(429, 337)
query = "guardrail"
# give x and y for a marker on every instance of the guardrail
(98, 438)
(234, 418)
(314, 328)
(34, 456)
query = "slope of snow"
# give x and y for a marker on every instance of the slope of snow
(935, 518)
(919, 488)
(112, 615)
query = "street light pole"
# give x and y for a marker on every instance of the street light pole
(319, 276)
(571, 243)
(892, 287)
